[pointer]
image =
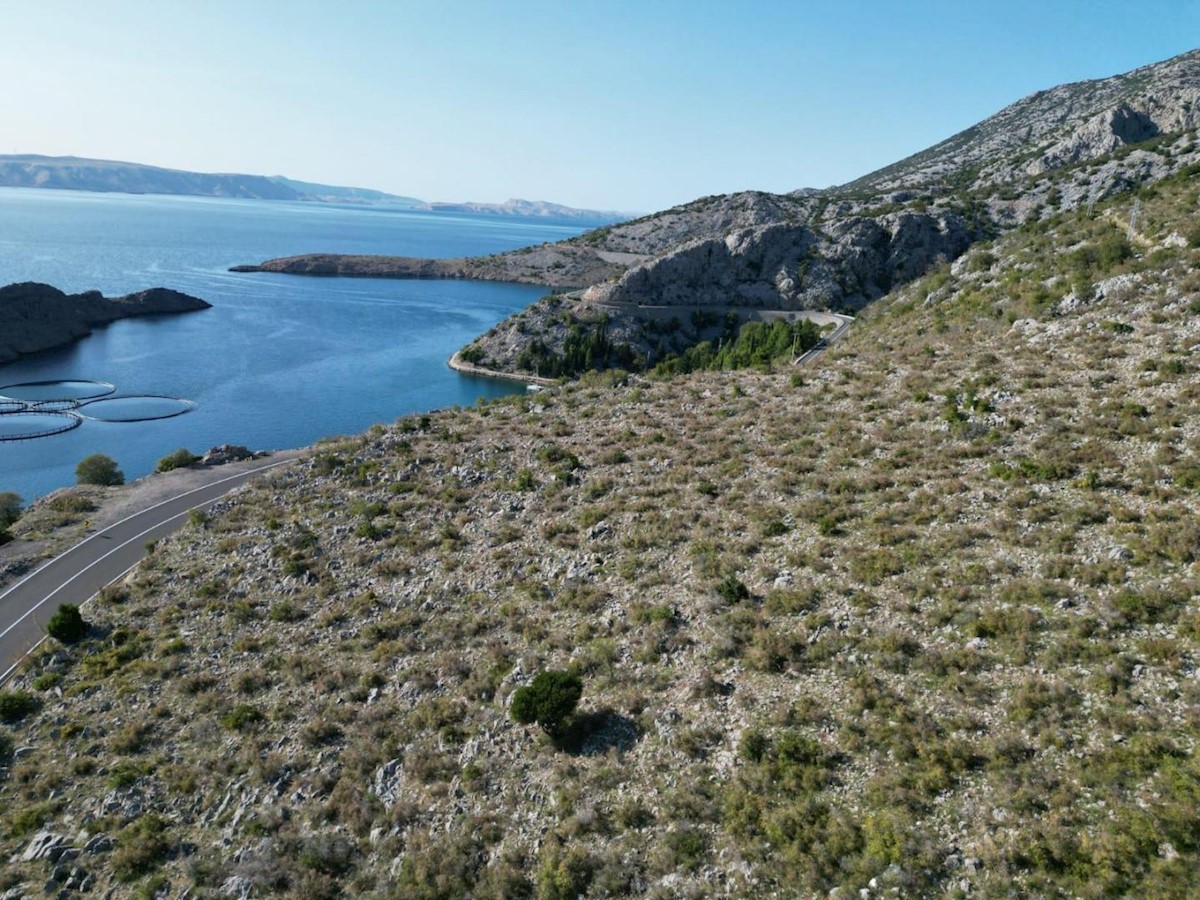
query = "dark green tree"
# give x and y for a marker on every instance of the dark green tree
(10, 509)
(67, 624)
(99, 469)
(549, 700)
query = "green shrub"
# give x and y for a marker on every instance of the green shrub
(99, 469)
(564, 874)
(180, 459)
(67, 624)
(687, 847)
(549, 700)
(71, 503)
(46, 681)
(241, 717)
(16, 705)
(141, 847)
(732, 590)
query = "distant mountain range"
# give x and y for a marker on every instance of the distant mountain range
(80, 174)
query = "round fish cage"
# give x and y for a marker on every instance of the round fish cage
(27, 424)
(141, 408)
(78, 389)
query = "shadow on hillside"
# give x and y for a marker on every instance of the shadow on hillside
(595, 733)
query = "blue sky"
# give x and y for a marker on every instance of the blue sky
(606, 104)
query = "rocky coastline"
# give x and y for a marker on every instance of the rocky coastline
(458, 364)
(40, 317)
(560, 265)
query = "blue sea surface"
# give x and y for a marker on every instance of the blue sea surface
(280, 360)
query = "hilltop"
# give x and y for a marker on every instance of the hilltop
(921, 619)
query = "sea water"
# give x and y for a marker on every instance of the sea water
(280, 360)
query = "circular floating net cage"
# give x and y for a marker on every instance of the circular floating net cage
(145, 408)
(11, 406)
(25, 425)
(39, 392)
(52, 406)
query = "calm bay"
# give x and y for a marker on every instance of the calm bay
(279, 361)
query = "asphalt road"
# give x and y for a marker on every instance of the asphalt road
(76, 575)
(843, 323)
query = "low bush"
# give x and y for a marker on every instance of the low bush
(241, 717)
(16, 705)
(180, 459)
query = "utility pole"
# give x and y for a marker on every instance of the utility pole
(1133, 217)
(1091, 204)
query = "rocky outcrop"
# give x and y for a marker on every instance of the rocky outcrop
(850, 262)
(1054, 128)
(39, 317)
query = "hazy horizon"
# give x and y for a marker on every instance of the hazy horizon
(609, 106)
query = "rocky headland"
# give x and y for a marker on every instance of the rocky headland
(839, 248)
(554, 265)
(39, 317)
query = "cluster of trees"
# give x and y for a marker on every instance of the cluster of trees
(587, 349)
(758, 344)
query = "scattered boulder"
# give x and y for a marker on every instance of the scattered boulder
(226, 453)
(45, 845)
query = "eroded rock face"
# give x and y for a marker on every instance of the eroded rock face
(1122, 124)
(850, 262)
(1050, 129)
(38, 317)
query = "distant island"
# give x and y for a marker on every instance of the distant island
(40, 317)
(73, 173)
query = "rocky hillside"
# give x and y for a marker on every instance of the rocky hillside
(844, 247)
(1063, 126)
(39, 317)
(920, 620)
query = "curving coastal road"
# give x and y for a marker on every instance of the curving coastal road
(76, 575)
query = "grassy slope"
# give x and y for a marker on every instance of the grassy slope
(966, 665)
